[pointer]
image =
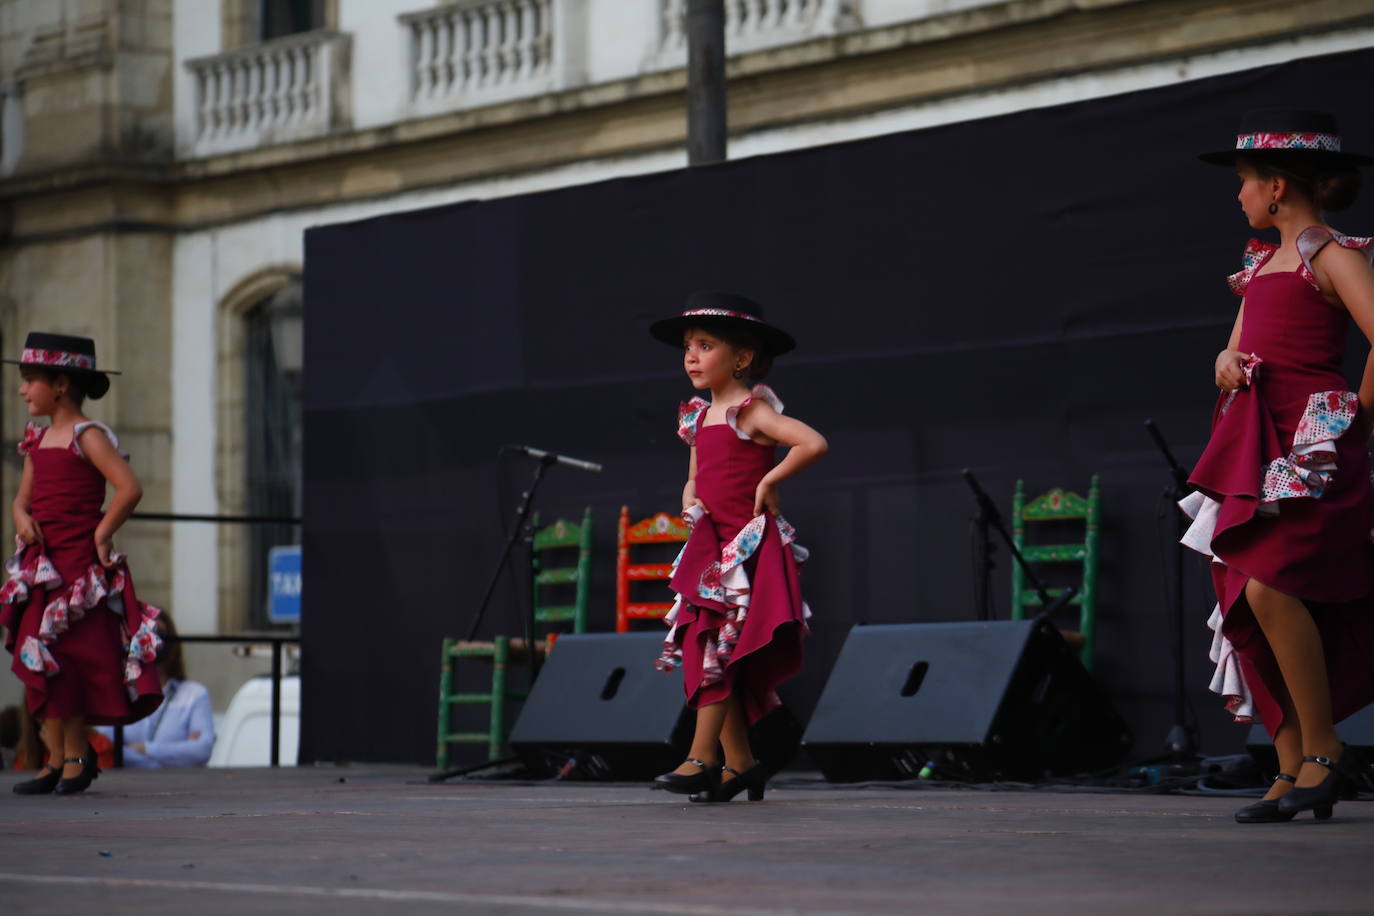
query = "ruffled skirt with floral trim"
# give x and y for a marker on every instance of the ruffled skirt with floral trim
(82, 647)
(738, 622)
(1297, 519)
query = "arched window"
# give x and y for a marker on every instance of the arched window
(272, 432)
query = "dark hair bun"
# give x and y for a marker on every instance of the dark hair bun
(1336, 191)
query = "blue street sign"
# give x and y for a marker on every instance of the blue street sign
(284, 584)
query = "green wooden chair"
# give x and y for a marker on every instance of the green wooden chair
(1060, 506)
(503, 651)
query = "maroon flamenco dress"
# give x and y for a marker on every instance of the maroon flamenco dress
(83, 644)
(739, 618)
(1283, 490)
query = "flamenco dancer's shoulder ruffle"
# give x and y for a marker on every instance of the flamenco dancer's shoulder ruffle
(758, 393)
(691, 413)
(109, 434)
(1314, 238)
(689, 416)
(1256, 251)
(33, 434)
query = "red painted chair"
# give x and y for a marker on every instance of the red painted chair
(660, 528)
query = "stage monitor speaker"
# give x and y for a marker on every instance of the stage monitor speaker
(1357, 731)
(996, 700)
(600, 710)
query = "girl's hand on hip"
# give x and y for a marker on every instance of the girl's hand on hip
(766, 497)
(28, 529)
(1230, 370)
(104, 548)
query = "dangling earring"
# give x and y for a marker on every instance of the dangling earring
(738, 373)
(1273, 208)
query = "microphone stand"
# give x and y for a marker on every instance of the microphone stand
(517, 532)
(1181, 742)
(989, 516)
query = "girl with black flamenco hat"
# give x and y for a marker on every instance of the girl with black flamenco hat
(82, 641)
(739, 618)
(1284, 505)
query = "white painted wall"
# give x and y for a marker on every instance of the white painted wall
(195, 33)
(381, 58)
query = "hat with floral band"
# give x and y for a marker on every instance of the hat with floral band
(1289, 132)
(68, 355)
(718, 308)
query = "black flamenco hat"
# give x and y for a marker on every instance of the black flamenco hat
(723, 308)
(1289, 132)
(69, 355)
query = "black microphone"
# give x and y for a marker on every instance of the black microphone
(553, 458)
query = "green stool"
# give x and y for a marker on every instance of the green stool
(1059, 506)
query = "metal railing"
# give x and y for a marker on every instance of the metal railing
(276, 641)
(244, 639)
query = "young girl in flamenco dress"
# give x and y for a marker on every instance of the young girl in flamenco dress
(739, 619)
(1283, 503)
(82, 642)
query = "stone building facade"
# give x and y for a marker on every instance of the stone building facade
(160, 159)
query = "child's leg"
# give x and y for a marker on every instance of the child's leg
(1288, 744)
(734, 738)
(706, 738)
(1297, 646)
(74, 743)
(51, 733)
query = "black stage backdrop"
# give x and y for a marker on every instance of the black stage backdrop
(1016, 295)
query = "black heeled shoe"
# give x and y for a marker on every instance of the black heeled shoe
(1318, 799)
(705, 781)
(753, 779)
(1266, 810)
(39, 785)
(90, 770)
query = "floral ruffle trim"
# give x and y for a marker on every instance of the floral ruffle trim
(1310, 241)
(1254, 255)
(690, 413)
(1314, 238)
(758, 393)
(726, 582)
(1228, 680)
(69, 603)
(33, 434)
(1307, 468)
(1248, 365)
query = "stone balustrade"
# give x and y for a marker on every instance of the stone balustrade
(754, 24)
(288, 89)
(478, 52)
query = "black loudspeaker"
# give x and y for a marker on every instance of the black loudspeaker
(1357, 731)
(1000, 700)
(600, 710)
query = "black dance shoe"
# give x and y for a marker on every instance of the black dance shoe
(39, 785)
(753, 779)
(1320, 798)
(1266, 810)
(79, 783)
(705, 781)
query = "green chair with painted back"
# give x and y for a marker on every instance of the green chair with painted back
(551, 544)
(1059, 507)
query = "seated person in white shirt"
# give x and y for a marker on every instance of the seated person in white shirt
(180, 732)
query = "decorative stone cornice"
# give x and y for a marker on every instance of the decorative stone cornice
(977, 50)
